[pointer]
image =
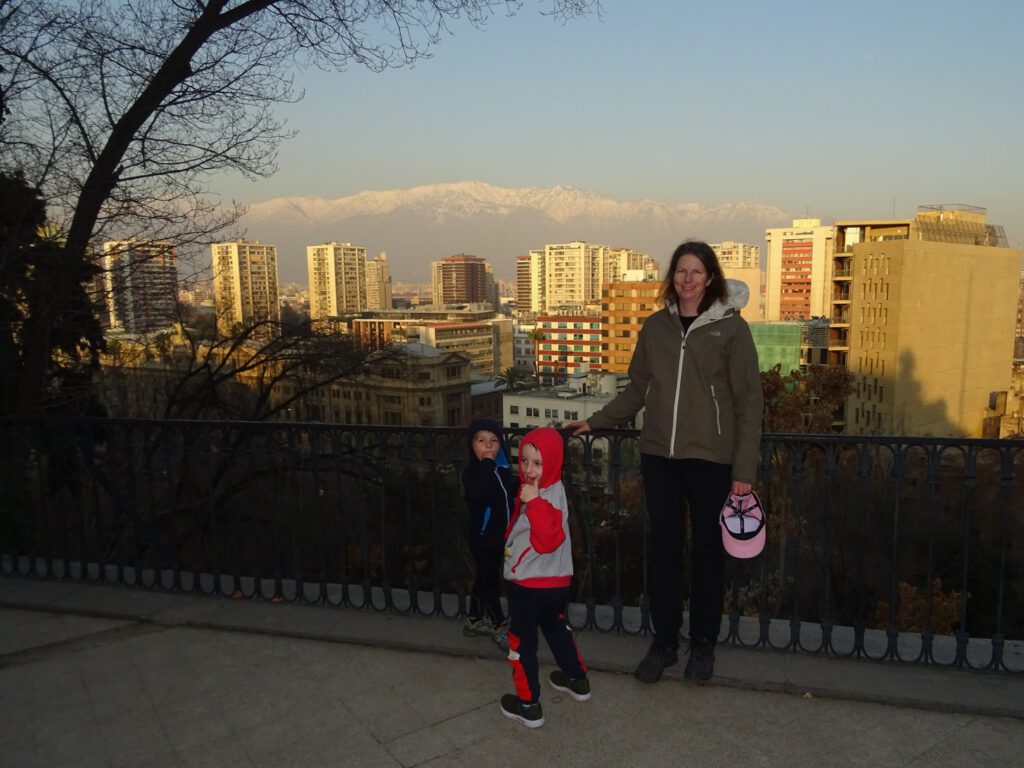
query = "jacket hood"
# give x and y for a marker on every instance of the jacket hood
(737, 298)
(549, 443)
(488, 425)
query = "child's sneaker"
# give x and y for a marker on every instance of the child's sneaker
(578, 689)
(500, 636)
(477, 626)
(529, 715)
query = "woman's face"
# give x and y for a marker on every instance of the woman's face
(690, 280)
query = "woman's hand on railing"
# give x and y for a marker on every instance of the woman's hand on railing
(578, 427)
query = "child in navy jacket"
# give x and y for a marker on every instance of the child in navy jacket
(490, 492)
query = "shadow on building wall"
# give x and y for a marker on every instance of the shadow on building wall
(912, 414)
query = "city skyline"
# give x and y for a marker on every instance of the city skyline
(821, 111)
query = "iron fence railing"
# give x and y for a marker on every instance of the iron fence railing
(886, 548)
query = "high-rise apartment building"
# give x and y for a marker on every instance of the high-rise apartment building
(245, 285)
(337, 279)
(378, 283)
(141, 285)
(930, 310)
(570, 275)
(798, 276)
(530, 283)
(462, 279)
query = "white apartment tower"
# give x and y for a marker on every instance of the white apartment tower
(141, 284)
(378, 283)
(337, 279)
(799, 279)
(572, 274)
(245, 284)
(530, 283)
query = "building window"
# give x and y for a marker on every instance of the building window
(451, 371)
(514, 410)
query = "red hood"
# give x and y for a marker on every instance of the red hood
(549, 443)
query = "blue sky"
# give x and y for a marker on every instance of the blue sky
(827, 109)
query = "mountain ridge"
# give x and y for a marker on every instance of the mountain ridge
(424, 223)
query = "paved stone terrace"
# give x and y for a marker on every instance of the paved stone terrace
(105, 676)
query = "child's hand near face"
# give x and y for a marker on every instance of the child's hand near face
(528, 491)
(531, 466)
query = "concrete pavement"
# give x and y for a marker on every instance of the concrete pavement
(106, 676)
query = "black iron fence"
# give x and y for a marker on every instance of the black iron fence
(896, 549)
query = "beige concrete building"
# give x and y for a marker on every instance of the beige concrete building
(930, 304)
(734, 255)
(798, 275)
(487, 344)
(753, 278)
(378, 283)
(337, 279)
(245, 286)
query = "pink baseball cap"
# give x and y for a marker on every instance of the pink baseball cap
(744, 528)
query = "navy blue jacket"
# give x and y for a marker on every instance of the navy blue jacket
(489, 489)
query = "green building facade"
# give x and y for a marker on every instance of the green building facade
(777, 343)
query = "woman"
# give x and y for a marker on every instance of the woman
(695, 371)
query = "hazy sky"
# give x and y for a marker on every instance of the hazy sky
(832, 109)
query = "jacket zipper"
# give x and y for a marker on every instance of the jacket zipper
(718, 413)
(675, 406)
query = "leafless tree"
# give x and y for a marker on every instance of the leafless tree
(258, 373)
(121, 112)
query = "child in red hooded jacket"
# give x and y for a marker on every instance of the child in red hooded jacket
(538, 569)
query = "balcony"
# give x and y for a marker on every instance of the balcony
(887, 549)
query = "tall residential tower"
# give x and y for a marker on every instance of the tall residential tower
(245, 286)
(141, 284)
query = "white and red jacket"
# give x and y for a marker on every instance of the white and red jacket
(538, 552)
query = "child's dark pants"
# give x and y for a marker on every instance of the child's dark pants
(530, 608)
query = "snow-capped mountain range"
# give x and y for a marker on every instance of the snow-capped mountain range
(419, 225)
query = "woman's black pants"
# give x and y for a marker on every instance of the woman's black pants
(670, 485)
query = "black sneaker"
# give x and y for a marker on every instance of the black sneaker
(529, 715)
(651, 666)
(578, 689)
(701, 665)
